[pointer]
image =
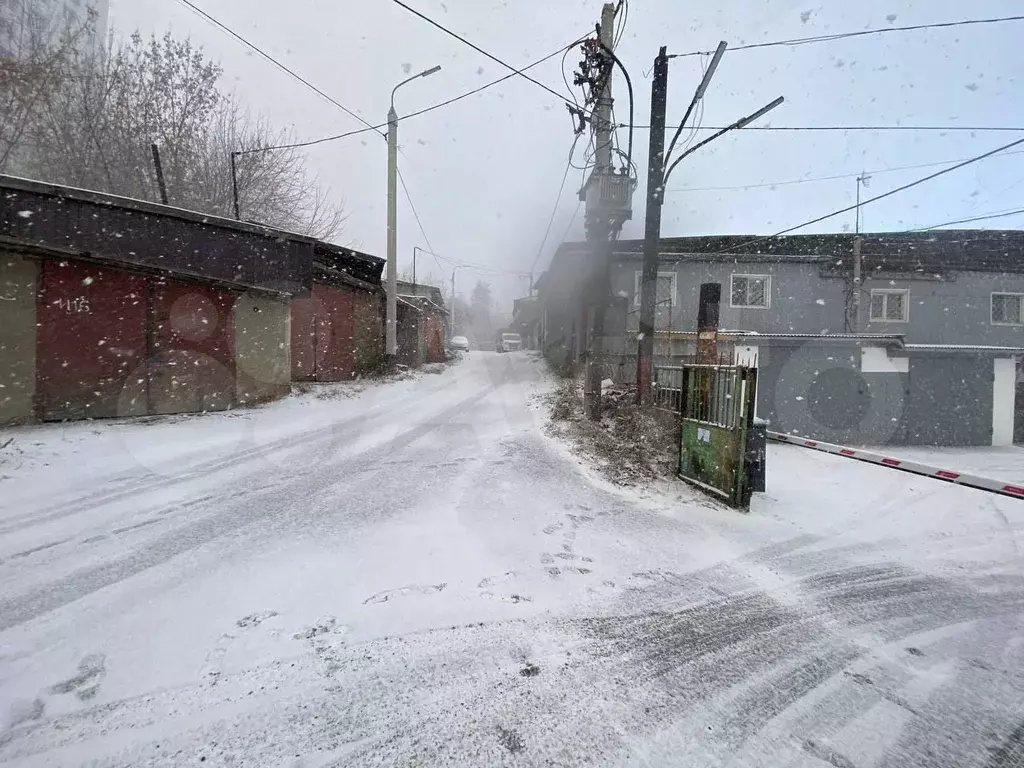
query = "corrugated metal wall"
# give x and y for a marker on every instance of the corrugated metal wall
(91, 339)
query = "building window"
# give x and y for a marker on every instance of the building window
(1008, 308)
(750, 291)
(666, 293)
(890, 306)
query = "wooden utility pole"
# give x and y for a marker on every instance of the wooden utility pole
(652, 228)
(161, 183)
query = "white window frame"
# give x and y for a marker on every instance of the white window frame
(638, 277)
(905, 292)
(992, 307)
(767, 291)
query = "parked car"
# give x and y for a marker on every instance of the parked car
(509, 342)
(459, 344)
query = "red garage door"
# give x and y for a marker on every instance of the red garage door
(192, 366)
(335, 333)
(91, 345)
(304, 339)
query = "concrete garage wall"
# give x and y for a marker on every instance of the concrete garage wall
(262, 348)
(18, 284)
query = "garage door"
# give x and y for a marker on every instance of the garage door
(192, 366)
(335, 333)
(91, 340)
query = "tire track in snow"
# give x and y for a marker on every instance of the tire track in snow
(227, 518)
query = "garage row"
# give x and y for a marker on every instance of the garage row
(117, 308)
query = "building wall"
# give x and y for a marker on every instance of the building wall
(18, 284)
(262, 348)
(369, 333)
(951, 311)
(800, 300)
(819, 389)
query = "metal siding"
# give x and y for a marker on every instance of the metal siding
(164, 239)
(262, 360)
(91, 340)
(435, 344)
(303, 338)
(192, 365)
(950, 401)
(19, 280)
(335, 333)
(369, 332)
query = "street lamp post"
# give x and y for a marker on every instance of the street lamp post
(392, 305)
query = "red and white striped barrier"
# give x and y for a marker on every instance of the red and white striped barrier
(960, 478)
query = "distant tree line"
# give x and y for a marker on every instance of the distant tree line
(86, 115)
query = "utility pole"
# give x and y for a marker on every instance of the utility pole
(600, 221)
(657, 178)
(234, 184)
(652, 228)
(161, 183)
(391, 345)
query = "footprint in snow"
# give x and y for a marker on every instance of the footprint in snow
(91, 671)
(255, 619)
(415, 589)
(490, 581)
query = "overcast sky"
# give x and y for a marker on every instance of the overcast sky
(484, 172)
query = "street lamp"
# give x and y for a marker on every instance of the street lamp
(392, 309)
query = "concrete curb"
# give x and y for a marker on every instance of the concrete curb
(937, 473)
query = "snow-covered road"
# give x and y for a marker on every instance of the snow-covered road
(416, 574)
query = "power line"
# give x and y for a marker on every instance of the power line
(480, 50)
(767, 184)
(844, 35)
(278, 64)
(558, 199)
(419, 112)
(876, 198)
(944, 128)
(998, 215)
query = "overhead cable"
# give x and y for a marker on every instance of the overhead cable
(861, 33)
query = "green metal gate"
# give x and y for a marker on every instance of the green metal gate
(717, 408)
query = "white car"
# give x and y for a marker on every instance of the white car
(510, 342)
(459, 344)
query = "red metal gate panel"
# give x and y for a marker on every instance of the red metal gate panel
(335, 333)
(91, 344)
(304, 338)
(192, 365)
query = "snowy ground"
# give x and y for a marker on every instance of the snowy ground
(416, 574)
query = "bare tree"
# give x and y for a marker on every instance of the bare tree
(94, 129)
(37, 61)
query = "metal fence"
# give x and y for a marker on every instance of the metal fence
(715, 394)
(668, 387)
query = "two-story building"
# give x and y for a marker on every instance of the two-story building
(956, 296)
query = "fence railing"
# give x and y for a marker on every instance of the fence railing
(668, 387)
(714, 394)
